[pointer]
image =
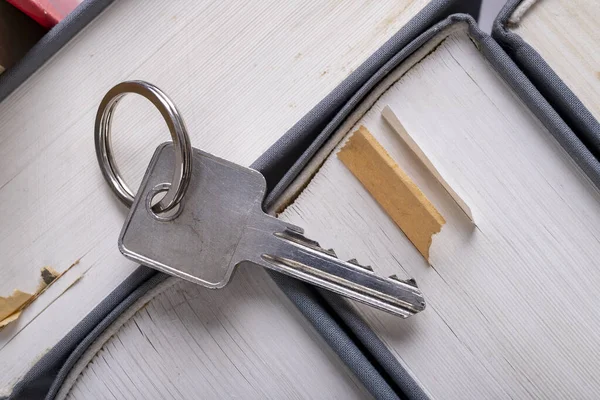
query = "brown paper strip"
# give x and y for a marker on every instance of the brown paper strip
(11, 306)
(395, 192)
(12, 303)
(12, 317)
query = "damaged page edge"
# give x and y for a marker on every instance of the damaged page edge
(12, 306)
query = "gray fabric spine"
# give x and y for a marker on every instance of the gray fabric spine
(556, 92)
(47, 371)
(46, 376)
(522, 87)
(354, 356)
(293, 150)
(52, 42)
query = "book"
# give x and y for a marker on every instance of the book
(241, 75)
(511, 299)
(565, 33)
(246, 340)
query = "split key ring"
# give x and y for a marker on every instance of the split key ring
(181, 141)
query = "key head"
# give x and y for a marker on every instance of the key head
(199, 243)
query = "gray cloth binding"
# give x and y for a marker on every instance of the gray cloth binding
(293, 150)
(519, 83)
(556, 92)
(48, 45)
(530, 95)
(356, 344)
(337, 326)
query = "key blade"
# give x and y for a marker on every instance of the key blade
(288, 252)
(322, 268)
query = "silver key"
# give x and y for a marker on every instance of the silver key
(220, 225)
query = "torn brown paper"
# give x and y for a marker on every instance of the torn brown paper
(389, 185)
(12, 303)
(11, 306)
(9, 319)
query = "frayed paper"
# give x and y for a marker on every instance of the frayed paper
(12, 306)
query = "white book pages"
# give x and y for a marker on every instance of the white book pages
(512, 302)
(244, 341)
(566, 34)
(240, 73)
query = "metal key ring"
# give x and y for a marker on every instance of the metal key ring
(181, 141)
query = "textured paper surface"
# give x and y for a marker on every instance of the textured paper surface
(512, 303)
(389, 185)
(287, 53)
(566, 35)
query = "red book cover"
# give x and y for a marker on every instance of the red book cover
(47, 13)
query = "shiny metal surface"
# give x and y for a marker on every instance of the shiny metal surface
(220, 225)
(180, 179)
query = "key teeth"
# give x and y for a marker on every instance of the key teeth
(354, 261)
(295, 236)
(410, 281)
(291, 234)
(298, 236)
